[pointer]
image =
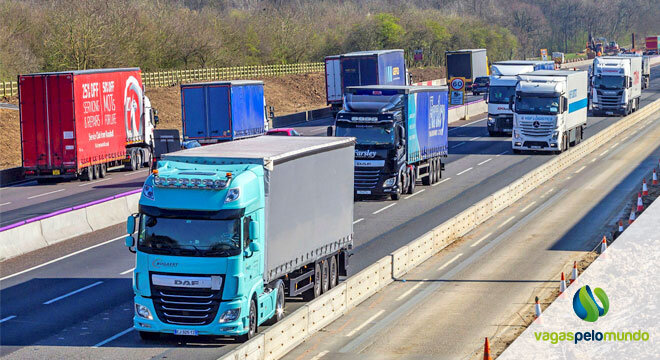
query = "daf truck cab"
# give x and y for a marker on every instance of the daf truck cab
(616, 85)
(549, 110)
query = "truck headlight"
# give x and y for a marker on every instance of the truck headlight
(148, 191)
(555, 135)
(491, 121)
(389, 182)
(229, 315)
(143, 312)
(516, 134)
(233, 195)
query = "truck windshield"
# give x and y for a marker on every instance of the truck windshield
(368, 135)
(501, 94)
(189, 237)
(527, 104)
(609, 82)
(372, 103)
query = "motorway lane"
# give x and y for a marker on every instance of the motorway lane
(483, 285)
(375, 236)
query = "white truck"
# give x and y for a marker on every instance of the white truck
(616, 85)
(503, 80)
(549, 110)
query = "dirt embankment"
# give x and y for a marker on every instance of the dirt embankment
(287, 94)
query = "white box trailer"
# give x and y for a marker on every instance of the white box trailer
(550, 110)
(616, 84)
(333, 80)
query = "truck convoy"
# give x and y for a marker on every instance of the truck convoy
(223, 110)
(466, 63)
(503, 80)
(401, 135)
(550, 110)
(379, 67)
(79, 124)
(616, 85)
(225, 231)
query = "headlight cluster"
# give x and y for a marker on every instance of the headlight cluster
(389, 182)
(194, 183)
(233, 195)
(143, 312)
(229, 315)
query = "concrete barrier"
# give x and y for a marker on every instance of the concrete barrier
(324, 310)
(282, 337)
(21, 240)
(112, 212)
(362, 285)
(65, 226)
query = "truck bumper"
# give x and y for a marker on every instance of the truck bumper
(541, 144)
(500, 125)
(608, 109)
(377, 191)
(238, 327)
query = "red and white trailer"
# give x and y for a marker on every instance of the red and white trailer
(78, 124)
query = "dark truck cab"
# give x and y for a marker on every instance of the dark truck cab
(401, 136)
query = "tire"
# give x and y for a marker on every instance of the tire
(315, 291)
(325, 276)
(103, 170)
(397, 194)
(280, 303)
(86, 174)
(426, 180)
(492, 133)
(95, 172)
(334, 271)
(252, 316)
(517, 151)
(134, 165)
(147, 335)
(438, 167)
(411, 181)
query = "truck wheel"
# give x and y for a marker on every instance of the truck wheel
(411, 181)
(96, 172)
(279, 305)
(103, 170)
(434, 174)
(147, 335)
(334, 272)
(86, 174)
(438, 169)
(397, 194)
(252, 324)
(426, 180)
(325, 276)
(134, 162)
(314, 292)
(516, 151)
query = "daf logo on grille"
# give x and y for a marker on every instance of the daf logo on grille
(536, 124)
(186, 283)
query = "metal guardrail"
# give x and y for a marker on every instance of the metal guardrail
(174, 77)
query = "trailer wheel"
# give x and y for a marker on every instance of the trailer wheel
(147, 335)
(103, 170)
(279, 305)
(334, 272)
(86, 174)
(315, 291)
(325, 276)
(438, 166)
(252, 323)
(96, 171)
(434, 171)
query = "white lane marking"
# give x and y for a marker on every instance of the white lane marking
(528, 206)
(604, 152)
(94, 182)
(580, 169)
(7, 318)
(127, 271)
(568, 177)
(450, 261)
(419, 192)
(506, 222)
(410, 291)
(459, 144)
(383, 209)
(357, 221)
(113, 337)
(485, 161)
(320, 355)
(594, 159)
(474, 122)
(441, 181)
(482, 239)
(365, 323)
(135, 172)
(73, 293)
(613, 146)
(7, 203)
(502, 153)
(61, 258)
(464, 171)
(548, 192)
(475, 138)
(44, 194)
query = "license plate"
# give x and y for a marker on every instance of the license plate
(535, 147)
(186, 332)
(56, 172)
(364, 192)
(609, 113)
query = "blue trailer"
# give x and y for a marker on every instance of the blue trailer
(401, 136)
(378, 67)
(223, 110)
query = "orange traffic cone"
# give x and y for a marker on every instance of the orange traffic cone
(574, 275)
(603, 245)
(487, 351)
(655, 178)
(640, 204)
(631, 219)
(562, 284)
(620, 226)
(645, 189)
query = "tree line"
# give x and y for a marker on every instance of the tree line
(51, 35)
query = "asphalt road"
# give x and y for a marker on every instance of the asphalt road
(93, 288)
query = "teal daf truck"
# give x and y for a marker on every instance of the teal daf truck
(225, 232)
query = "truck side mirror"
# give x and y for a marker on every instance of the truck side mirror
(630, 82)
(565, 105)
(329, 131)
(156, 120)
(254, 247)
(511, 102)
(130, 224)
(253, 230)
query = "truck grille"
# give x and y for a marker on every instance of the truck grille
(610, 101)
(527, 128)
(185, 306)
(366, 179)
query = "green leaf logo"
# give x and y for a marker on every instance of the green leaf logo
(585, 305)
